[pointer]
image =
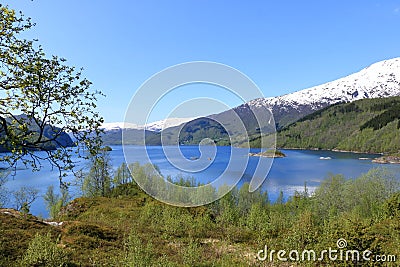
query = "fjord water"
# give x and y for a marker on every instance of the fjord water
(287, 174)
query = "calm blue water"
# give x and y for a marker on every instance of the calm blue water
(287, 174)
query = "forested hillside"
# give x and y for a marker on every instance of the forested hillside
(369, 125)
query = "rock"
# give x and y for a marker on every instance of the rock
(387, 159)
(54, 223)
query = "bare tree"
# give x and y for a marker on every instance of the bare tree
(24, 197)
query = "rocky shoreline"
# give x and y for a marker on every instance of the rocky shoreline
(387, 160)
(384, 159)
(333, 150)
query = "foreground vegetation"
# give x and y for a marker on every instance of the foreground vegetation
(128, 228)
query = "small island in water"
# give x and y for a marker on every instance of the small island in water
(271, 153)
(394, 159)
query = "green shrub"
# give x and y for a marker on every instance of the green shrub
(42, 251)
(191, 253)
(136, 253)
(94, 231)
(391, 206)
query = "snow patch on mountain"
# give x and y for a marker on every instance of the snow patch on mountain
(381, 79)
(158, 126)
(113, 126)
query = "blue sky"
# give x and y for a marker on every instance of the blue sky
(283, 46)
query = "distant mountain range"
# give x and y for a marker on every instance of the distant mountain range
(379, 80)
(156, 126)
(113, 131)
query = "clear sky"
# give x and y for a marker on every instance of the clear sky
(283, 46)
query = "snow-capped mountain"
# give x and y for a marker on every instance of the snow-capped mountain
(381, 79)
(115, 126)
(156, 126)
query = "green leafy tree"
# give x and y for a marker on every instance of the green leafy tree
(41, 99)
(280, 200)
(258, 220)
(122, 175)
(366, 194)
(55, 202)
(97, 181)
(329, 197)
(227, 210)
(247, 199)
(392, 206)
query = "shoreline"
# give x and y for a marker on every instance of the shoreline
(332, 150)
(382, 159)
(387, 160)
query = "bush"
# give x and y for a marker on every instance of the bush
(136, 253)
(94, 231)
(392, 207)
(191, 253)
(42, 251)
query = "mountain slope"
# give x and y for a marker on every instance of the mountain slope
(192, 132)
(379, 80)
(368, 125)
(158, 126)
(49, 133)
